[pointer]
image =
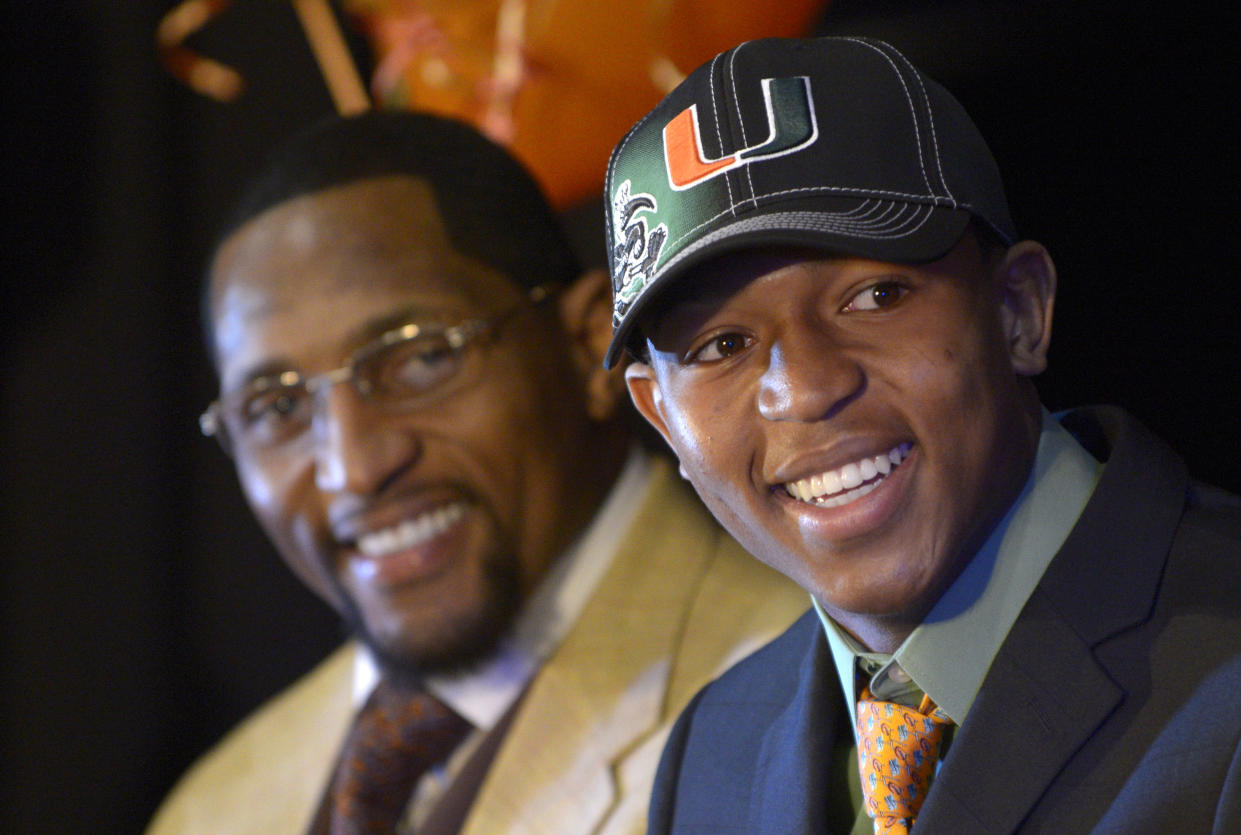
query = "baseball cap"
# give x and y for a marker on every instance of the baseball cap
(835, 143)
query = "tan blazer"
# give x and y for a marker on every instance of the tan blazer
(680, 603)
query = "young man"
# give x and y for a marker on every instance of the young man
(836, 326)
(412, 393)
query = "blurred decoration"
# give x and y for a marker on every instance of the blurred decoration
(556, 81)
(211, 78)
(205, 75)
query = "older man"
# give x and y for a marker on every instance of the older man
(1022, 622)
(412, 391)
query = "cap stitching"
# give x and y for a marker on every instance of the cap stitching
(816, 221)
(719, 134)
(908, 100)
(924, 214)
(930, 114)
(885, 214)
(895, 195)
(745, 140)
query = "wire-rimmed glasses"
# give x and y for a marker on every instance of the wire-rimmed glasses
(403, 369)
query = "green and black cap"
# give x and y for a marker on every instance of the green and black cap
(835, 143)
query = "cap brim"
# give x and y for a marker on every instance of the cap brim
(911, 234)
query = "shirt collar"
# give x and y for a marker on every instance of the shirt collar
(483, 693)
(972, 618)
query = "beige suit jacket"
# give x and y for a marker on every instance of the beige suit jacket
(680, 603)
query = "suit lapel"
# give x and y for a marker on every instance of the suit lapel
(1028, 720)
(1047, 692)
(791, 784)
(603, 690)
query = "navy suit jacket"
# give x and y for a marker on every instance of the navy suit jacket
(1113, 705)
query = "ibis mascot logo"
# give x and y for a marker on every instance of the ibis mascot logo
(791, 126)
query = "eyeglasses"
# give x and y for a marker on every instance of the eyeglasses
(404, 369)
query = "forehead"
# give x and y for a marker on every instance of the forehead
(317, 272)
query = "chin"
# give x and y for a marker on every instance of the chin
(460, 650)
(457, 642)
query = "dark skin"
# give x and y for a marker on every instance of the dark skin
(900, 394)
(503, 473)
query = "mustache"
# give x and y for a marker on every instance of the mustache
(465, 642)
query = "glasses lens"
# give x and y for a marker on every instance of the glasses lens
(410, 370)
(405, 373)
(268, 413)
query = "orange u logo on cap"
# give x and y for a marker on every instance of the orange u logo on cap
(791, 127)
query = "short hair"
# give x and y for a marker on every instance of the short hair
(491, 207)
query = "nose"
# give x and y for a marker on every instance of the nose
(358, 449)
(809, 376)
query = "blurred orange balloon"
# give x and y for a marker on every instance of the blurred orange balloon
(557, 81)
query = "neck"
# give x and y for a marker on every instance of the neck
(882, 634)
(885, 632)
(598, 466)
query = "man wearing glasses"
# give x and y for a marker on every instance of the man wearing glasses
(413, 394)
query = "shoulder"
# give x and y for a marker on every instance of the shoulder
(1212, 515)
(1203, 568)
(753, 691)
(267, 773)
(770, 674)
(729, 603)
(1145, 492)
(712, 764)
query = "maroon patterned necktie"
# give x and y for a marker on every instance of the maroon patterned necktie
(398, 735)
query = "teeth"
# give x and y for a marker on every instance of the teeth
(845, 498)
(850, 476)
(411, 532)
(852, 481)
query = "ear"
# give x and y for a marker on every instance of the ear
(1026, 281)
(586, 313)
(648, 399)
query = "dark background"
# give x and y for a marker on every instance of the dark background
(143, 613)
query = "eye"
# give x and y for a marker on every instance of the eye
(274, 412)
(720, 346)
(276, 403)
(877, 296)
(413, 367)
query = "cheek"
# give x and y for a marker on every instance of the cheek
(691, 440)
(958, 396)
(951, 377)
(282, 504)
(273, 491)
(691, 427)
(261, 491)
(710, 438)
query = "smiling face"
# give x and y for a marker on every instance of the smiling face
(425, 527)
(857, 425)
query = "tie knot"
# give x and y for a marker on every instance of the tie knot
(898, 748)
(404, 716)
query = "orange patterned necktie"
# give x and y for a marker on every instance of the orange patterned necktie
(399, 734)
(897, 751)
